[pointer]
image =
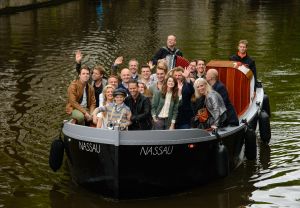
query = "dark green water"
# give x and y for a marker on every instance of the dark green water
(36, 65)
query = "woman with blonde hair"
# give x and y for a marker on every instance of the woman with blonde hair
(213, 102)
(106, 98)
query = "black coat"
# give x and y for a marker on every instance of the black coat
(141, 112)
(185, 110)
(163, 52)
(232, 117)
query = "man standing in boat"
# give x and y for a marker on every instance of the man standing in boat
(81, 98)
(242, 58)
(140, 107)
(169, 52)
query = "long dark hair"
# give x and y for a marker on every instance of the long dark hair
(164, 88)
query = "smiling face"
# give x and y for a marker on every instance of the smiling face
(200, 66)
(133, 89)
(201, 88)
(84, 75)
(242, 48)
(109, 94)
(119, 99)
(178, 75)
(141, 88)
(113, 81)
(125, 75)
(192, 66)
(133, 66)
(171, 41)
(170, 83)
(160, 74)
(146, 73)
(96, 75)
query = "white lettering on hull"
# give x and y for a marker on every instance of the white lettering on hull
(156, 150)
(89, 147)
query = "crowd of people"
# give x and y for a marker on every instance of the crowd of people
(171, 98)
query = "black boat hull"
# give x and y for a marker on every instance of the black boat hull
(134, 171)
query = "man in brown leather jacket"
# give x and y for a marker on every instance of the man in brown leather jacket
(81, 98)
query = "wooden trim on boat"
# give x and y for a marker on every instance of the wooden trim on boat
(237, 82)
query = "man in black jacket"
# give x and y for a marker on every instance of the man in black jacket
(218, 86)
(166, 51)
(140, 107)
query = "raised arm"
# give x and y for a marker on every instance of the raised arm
(117, 62)
(78, 58)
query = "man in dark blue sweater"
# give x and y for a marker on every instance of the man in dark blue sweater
(242, 58)
(218, 86)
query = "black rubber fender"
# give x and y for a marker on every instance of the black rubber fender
(56, 155)
(253, 122)
(264, 127)
(222, 160)
(250, 144)
(266, 105)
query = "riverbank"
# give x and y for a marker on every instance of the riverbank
(14, 6)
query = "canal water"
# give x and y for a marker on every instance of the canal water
(37, 64)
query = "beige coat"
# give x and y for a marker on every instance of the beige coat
(75, 92)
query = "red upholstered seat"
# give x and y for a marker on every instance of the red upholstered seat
(236, 82)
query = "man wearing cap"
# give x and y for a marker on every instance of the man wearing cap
(81, 98)
(140, 107)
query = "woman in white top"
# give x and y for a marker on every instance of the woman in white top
(107, 99)
(165, 105)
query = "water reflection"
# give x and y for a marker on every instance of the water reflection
(37, 63)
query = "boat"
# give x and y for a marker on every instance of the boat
(139, 164)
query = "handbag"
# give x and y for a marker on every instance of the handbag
(203, 115)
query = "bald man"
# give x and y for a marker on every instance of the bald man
(167, 50)
(125, 77)
(212, 78)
